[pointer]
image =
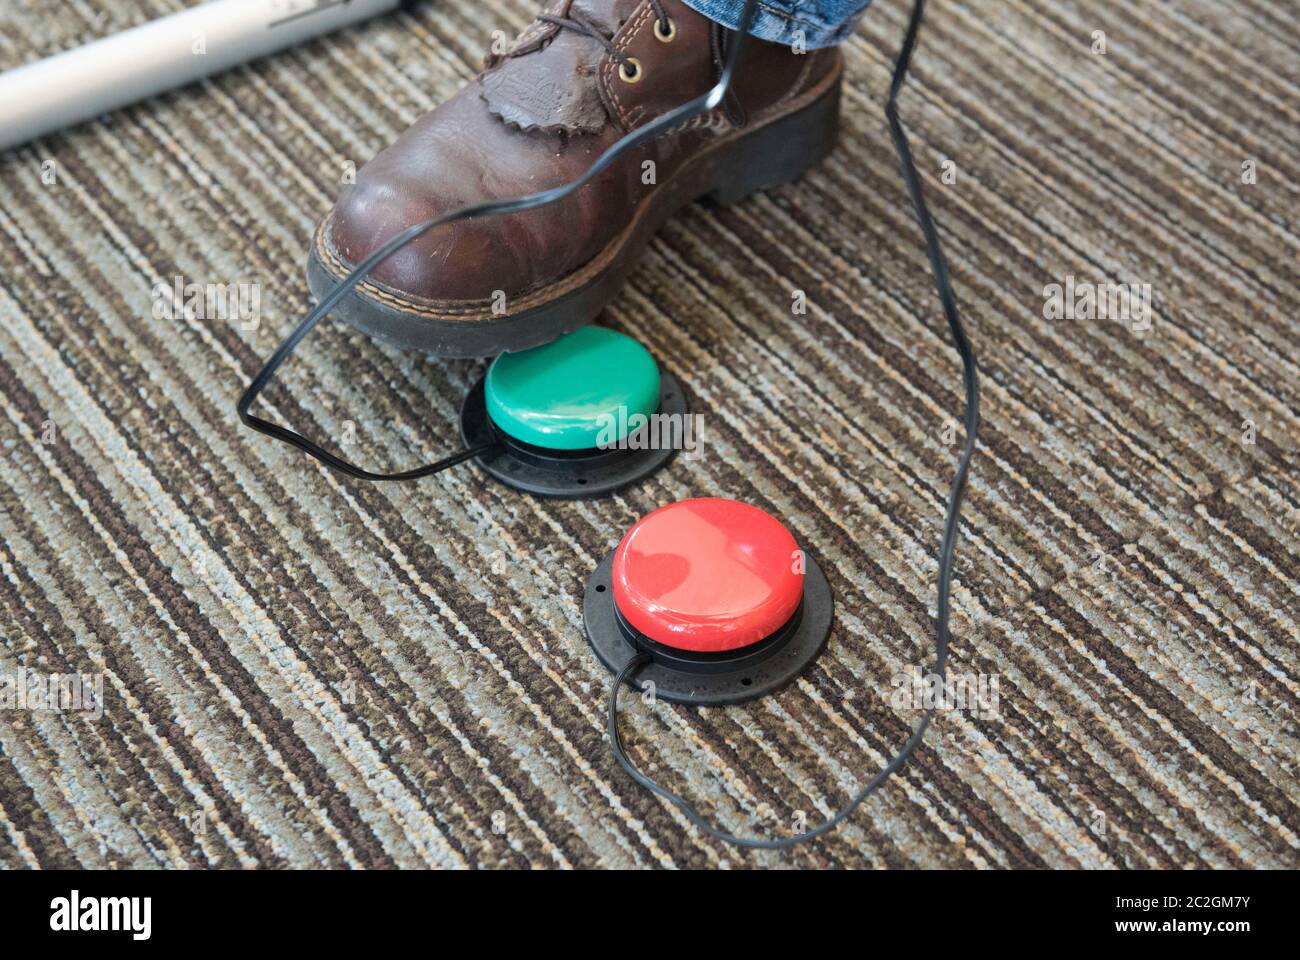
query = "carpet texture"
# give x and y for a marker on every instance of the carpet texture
(301, 670)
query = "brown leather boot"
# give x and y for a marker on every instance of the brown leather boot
(580, 77)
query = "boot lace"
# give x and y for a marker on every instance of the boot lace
(631, 69)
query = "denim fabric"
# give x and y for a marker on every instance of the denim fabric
(817, 23)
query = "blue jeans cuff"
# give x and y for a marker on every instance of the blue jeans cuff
(787, 23)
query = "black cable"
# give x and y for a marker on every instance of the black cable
(947, 546)
(635, 138)
(707, 101)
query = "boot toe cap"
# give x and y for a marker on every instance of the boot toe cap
(454, 157)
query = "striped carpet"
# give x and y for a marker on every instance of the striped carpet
(299, 670)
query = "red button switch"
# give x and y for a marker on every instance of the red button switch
(708, 575)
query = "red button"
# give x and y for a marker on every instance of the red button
(708, 575)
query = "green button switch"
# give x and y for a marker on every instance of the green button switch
(574, 393)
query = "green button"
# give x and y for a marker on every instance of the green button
(574, 393)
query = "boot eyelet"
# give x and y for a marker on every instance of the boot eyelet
(632, 75)
(666, 36)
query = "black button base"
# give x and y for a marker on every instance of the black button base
(711, 679)
(569, 474)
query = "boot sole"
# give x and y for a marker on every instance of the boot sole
(775, 150)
